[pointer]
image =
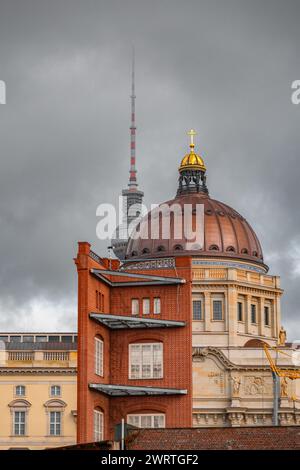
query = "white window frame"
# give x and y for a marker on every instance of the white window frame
(135, 306)
(146, 306)
(134, 417)
(57, 423)
(141, 373)
(99, 359)
(20, 423)
(23, 387)
(98, 426)
(156, 305)
(55, 387)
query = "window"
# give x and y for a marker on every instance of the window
(55, 423)
(66, 339)
(41, 339)
(146, 306)
(3, 338)
(19, 423)
(98, 426)
(15, 339)
(240, 311)
(55, 391)
(156, 305)
(267, 315)
(197, 310)
(147, 420)
(20, 390)
(53, 339)
(217, 310)
(28, 339)
(135, 306)
(146, 361)
(253, 313)
(98, 356)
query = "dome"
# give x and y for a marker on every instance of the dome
(192, 161)
(226, 234)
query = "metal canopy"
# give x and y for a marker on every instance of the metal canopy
(146, 279)
(118, 322)
(128, 390)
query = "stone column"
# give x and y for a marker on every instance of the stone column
(248, 313)
(261, 316)
(207, 311)
(231, 315)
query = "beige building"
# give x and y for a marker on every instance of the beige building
(38, 398)
(232, 379)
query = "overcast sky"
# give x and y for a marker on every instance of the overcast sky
(222, 67)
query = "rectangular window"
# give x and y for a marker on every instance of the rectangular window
(55, 391)
(55, 423)
(15, 339)
(147, 420)
(217, 310)
(156, 305)
(20, 390)
(267, 316)
(28, 339)
(197, 310)
(146, 361)
(19, 423)
(41, 339)
(146, 306)
(240, 311)
(98, 356)
(98, 426)
(253, 313)
(53, 339)
(135, 306)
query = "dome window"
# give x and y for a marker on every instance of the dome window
(178, 247)
(254, 253)
(161, 248)
(244, 251)
(208, 212)
(213, 248)
(221, 213)
(134, 253)
(231, 249)
(145, 251)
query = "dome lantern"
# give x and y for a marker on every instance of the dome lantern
(192, 171)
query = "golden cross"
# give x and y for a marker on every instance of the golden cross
(192, 133)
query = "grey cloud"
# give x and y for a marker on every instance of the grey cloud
(223, 67)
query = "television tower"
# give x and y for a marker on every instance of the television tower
(132, 195)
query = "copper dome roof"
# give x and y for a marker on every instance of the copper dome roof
(226, 234)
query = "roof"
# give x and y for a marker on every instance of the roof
(118, 322)
(239, 438)
(129, 390)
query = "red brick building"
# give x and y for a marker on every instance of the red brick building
(112, 384)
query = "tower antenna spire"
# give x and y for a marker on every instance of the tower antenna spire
(132, 178)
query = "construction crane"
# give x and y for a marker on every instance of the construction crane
(278, 373)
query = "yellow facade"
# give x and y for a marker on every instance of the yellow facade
(38, 398)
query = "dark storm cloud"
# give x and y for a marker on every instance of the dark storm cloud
(223, 67)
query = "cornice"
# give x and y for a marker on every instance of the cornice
(37, 371)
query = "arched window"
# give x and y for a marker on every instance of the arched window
(213, 248)
(19, 411)
(98, 425)
(145, 251)
(231, 249)
(178, 248)
(146, 360)
(244, 251)
(161, 248)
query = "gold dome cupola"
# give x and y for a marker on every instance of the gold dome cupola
(192, 170)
